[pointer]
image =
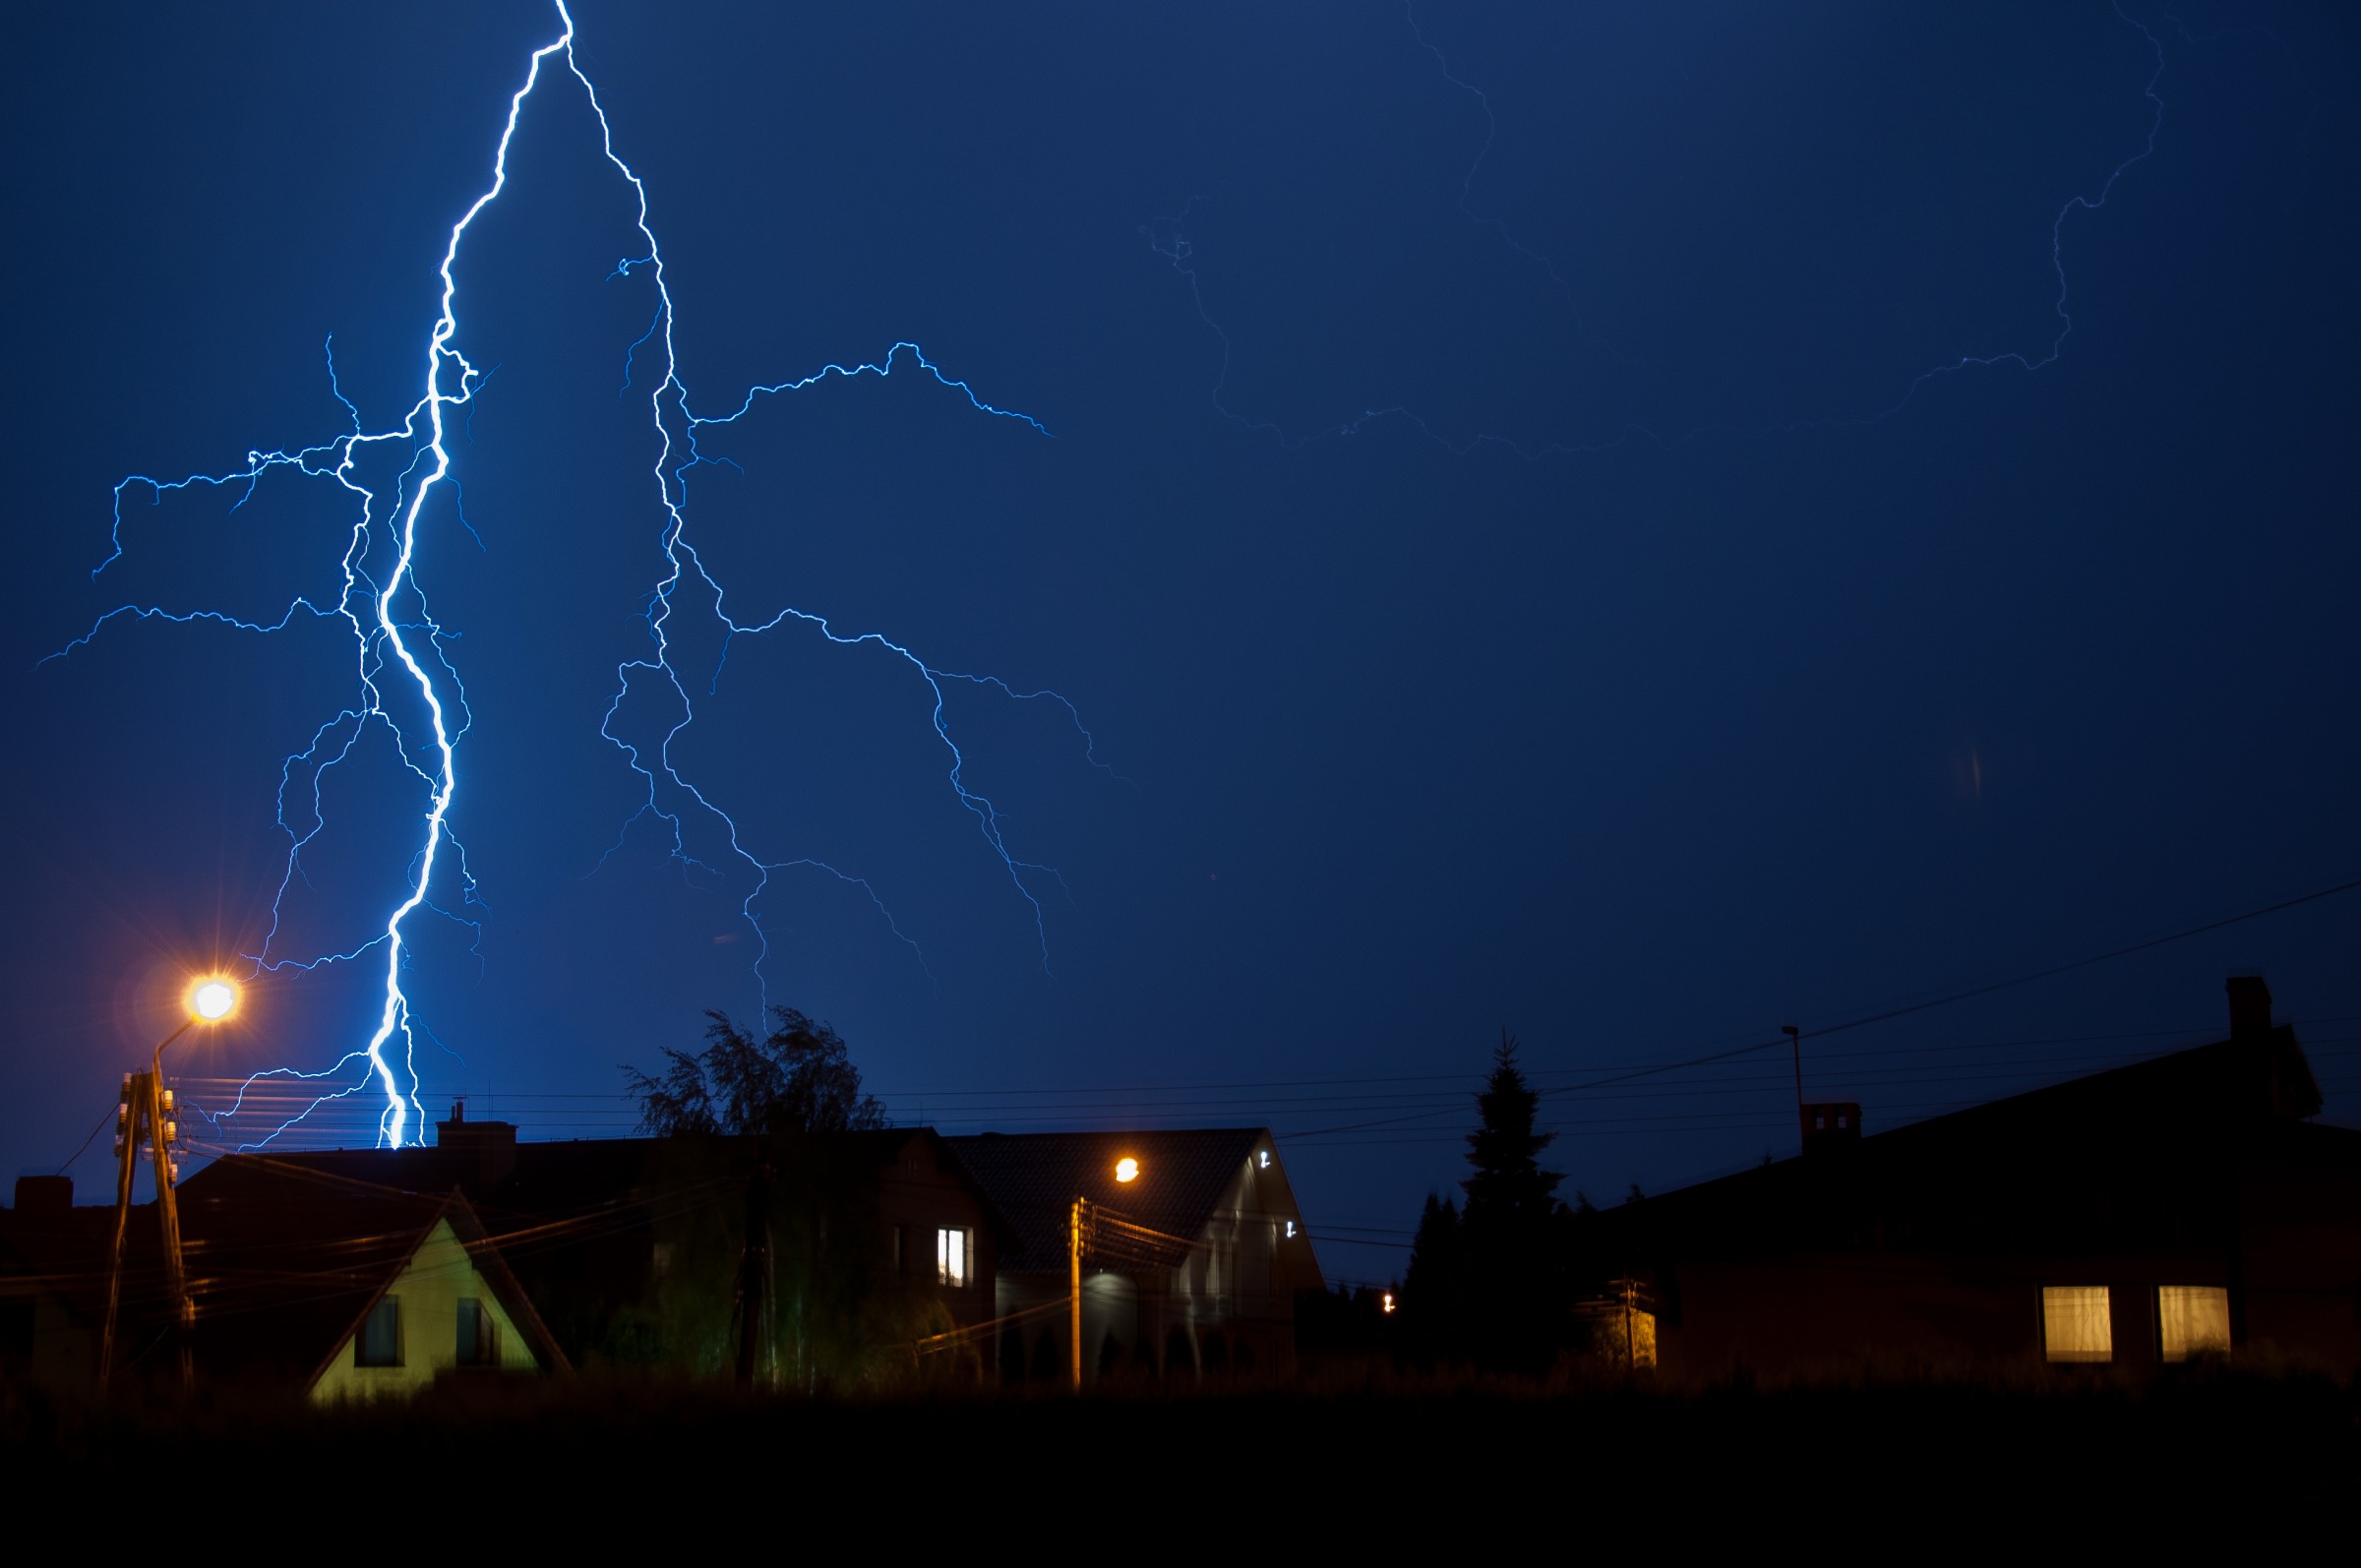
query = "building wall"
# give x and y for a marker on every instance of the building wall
(2284, 1244)
(439, 1275)
(48, 1343)
(1229, 1305)
(1843, 1312)
(916, 1197)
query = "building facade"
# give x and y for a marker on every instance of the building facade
(2176, 1208)
(1193, 1252)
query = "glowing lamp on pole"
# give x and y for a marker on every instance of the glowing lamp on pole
(148, 1116)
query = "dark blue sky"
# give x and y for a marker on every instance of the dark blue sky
(1496, 521)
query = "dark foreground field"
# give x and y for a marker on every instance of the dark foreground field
(1466, 1470)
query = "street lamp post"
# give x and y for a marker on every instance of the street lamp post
(1073, 1253)
(145, 1116)
(1077, 1239)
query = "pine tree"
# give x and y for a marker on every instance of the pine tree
(1432, 1320)
(1509, 1185)
(1514, 1268)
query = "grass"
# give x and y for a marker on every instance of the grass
(1329, 1458)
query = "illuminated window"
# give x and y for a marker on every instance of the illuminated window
(2192, 1319)
(378, 1343)
(479, 1335)
(2076, 1325)
(953, 1251)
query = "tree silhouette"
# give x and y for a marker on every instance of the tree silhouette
(1509, 1188)
(1514, 1307)
(797, 1078)
(1434, 1329)
(757, 1113)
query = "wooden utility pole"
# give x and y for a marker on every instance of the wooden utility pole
(1073, 1253)
(143, 1120)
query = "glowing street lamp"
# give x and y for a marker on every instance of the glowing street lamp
(211, 1000)
(1127, 1169)
(145, 1116)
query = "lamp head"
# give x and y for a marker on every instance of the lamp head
(211, 998)
(1127, 1169)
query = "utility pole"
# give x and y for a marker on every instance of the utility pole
(143, 1115)
(1073, 1255)
(143, 1123)
(1795, 1043)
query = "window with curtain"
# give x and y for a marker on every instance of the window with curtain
(379, 1343)
(479, 1335)
(2076, 1325)
(951, 1250)
(2192, 1319)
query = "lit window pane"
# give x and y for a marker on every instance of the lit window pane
(2076, 1325)
(2192, 1319)
(951, 1257)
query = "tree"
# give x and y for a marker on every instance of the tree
(1433, 1326)
(1514, 1298)
(797, 1079)
(756, 1111)
(1509, 1186)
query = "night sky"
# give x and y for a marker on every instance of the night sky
(1520, 518)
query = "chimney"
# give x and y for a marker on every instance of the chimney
(2250, 1006)
(484, 1151)
(45, 1198)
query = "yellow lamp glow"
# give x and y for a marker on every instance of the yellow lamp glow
(1127, 1169)
(213, 1000)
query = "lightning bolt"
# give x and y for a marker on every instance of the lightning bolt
(401, 655)
(1169, 238)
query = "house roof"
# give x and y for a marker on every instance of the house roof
(285, 1260)
(535, 1195)
(2024, 1171)
(1034, 1177)
(282, 1261)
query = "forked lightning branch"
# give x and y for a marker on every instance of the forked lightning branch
(407, 687)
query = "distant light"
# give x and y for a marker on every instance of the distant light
(1127, 1169)
(1291, 1229)
(1386, 1302)
(211, 1000)
(1266, 1158)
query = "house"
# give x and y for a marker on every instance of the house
(628, 1246)
(2178, 1207)
(1194, 1250)
(332, 1289)
(48, 1333)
